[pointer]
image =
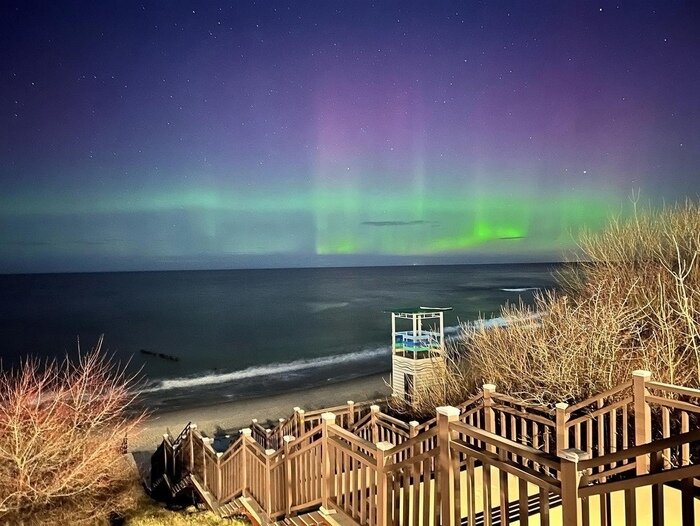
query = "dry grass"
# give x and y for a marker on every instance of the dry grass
(632, 303)
(148, 513)
(62, 427)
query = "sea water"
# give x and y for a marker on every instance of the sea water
(245, 333)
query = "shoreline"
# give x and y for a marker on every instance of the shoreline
(226, 416)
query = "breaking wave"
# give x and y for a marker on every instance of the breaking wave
(213, 378)
(265, 370)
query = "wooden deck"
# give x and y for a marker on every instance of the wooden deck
(630, 455)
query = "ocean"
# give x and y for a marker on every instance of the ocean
(245, 333)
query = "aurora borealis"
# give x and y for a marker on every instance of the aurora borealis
(164, 135)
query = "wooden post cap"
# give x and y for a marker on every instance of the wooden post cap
(562, 405)
(447, 410)
(254, 420)
(414, 423)
(281, 420)
(573, 454)
(489, 387)
(288, 438)
(269, 452)
(384, 446)
(374, 408)
(350, 402)
(641, 373)
(246, 431)
(328, 416)
(296, 409)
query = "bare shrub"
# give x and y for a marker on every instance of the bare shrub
(633, 302)
(62, 427)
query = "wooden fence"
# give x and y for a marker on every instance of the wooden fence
(620, 457)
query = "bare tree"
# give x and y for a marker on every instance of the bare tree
(63, 427)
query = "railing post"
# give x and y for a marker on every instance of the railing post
(642, 417)
(296, 429)
(301, 423)
(413, 428)
(351, 413)
(204, 461)
(289, 475)
(268, 433)
(280, 433)
(374, 411)
(193, 428)
(560, 419)
(489, 415)
(268, 483)
(246, 432)
(165, 454)
(219, 491)
(570, 477)
(383, 504)
(415, 468)
(327, 420)
(445, 416)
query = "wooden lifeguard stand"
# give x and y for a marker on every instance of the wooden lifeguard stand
(417, 354)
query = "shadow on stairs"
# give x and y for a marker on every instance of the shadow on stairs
(533, 508)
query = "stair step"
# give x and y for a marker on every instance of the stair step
(234, 507)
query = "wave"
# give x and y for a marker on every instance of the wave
(523, 289)
(265, 370)
(453, 329)
(320, 306)
(500, 321)
(213, 378)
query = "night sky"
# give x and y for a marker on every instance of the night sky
(173, 135)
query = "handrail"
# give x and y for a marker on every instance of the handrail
(677, 389)
(361, 422)
(644, 449)
(603, 410)
(307, 434)
(648, 479)
(353, 439)
(470, 401)
(383, 417)
(675, 404)
(514, 468)
(593, 399)
(541, 457)
(522, 406)
(522, 413)
(411, 442)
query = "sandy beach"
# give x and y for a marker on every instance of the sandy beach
(231, 416)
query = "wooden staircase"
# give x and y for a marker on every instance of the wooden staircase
(308, 519)
(245, 506)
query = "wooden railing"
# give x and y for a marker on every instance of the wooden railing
(492, 458)
(300, 421)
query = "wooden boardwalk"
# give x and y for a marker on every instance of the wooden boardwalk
(630, 455)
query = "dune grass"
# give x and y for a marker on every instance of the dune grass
(631, 302)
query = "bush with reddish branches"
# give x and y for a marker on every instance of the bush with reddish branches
(62, 431)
